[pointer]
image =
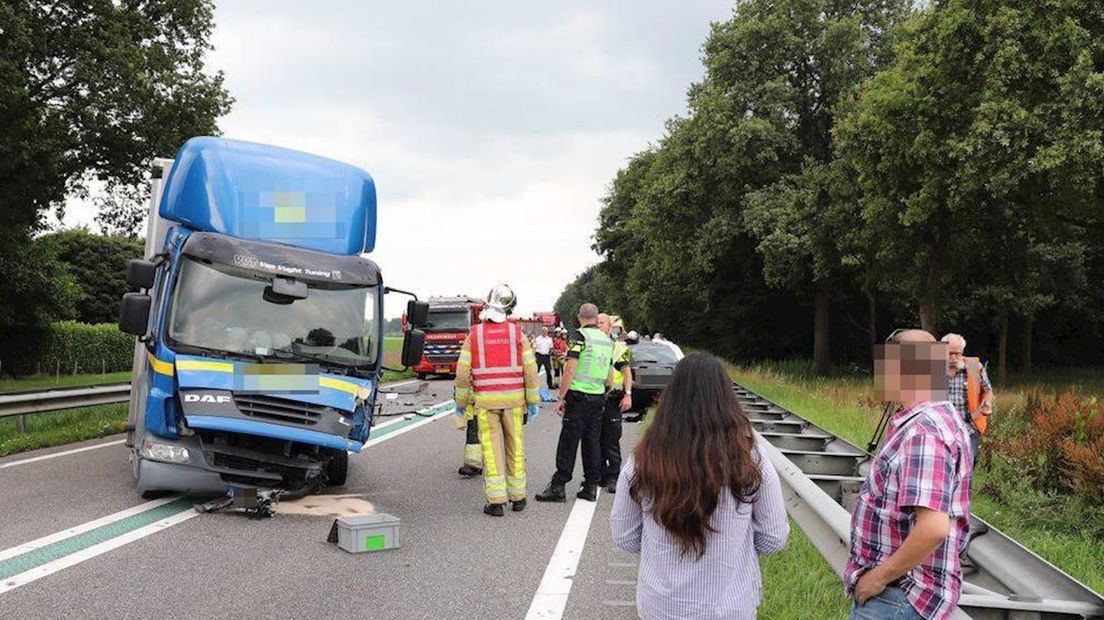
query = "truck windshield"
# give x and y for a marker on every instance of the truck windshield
(222, 307)
(448, 320)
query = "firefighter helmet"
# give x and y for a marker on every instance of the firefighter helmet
(500, 302)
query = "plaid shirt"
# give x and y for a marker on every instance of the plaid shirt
(956, 392)
(925, 462)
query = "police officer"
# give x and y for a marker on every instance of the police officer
(582, 397)
(497, 374)
(618, 401)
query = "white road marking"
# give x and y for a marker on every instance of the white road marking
(121, 441)
(436, 416)
(551, 598)
(63, 453)
(73, 559)
(84, 527)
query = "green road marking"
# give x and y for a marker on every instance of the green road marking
(424, 415)
(49, 553)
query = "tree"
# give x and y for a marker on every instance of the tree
(979, 156)
(821, 51)
(90, 90)
(98, 265)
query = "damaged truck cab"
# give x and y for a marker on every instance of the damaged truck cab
(259, 321)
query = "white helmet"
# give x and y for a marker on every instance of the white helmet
(500, 302)
(632, 336)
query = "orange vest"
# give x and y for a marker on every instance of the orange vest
(496, 357)
(973, 394)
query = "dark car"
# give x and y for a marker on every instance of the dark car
(652, 365)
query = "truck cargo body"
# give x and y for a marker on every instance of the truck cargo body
(260, 359)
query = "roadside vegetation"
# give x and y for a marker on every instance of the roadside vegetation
(43, 382)
(1041, 474)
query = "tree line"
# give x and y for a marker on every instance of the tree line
(90, 92)
(846, 167)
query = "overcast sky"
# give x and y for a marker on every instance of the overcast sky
(491, 128)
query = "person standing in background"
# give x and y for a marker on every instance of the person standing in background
(542, 347)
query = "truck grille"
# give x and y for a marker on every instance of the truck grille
(442, 352)
(281, 410)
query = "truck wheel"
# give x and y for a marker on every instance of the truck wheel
(420, 376)
(337, 468)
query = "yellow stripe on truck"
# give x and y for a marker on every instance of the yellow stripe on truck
(338, 384)
(159, 366)
(204, 365)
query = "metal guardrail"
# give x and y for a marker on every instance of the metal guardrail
(821, 475)
(40, 401)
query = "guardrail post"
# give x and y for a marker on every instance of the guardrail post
(23, 424)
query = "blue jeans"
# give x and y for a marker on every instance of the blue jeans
(890, 604)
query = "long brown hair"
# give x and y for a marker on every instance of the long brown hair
(699, 444)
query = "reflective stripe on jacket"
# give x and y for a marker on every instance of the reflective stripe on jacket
(496, 369)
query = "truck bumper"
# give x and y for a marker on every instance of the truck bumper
(158, 476)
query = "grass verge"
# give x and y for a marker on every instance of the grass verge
(42, 382)
(1044, 523)
(61, 427)
(797, 583)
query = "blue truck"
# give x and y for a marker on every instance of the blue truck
(258, 321)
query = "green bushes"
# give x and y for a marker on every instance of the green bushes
(69, 347)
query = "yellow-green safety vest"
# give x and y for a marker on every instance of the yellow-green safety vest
(620, 351)
(595, 362)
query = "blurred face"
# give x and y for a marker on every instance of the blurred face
(956, 352)
(604, 323)
(911, 372)
(544, 331)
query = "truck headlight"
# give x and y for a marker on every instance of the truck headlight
(157, 451)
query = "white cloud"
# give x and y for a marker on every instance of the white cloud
(491, 128)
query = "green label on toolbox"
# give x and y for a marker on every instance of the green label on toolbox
(375, 543)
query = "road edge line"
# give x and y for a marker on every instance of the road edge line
(550, 600)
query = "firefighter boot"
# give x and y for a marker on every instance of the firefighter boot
(495, 510)
(553, 493)
(468, 471)
(519, 505)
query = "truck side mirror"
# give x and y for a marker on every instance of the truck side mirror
(134, 314)
(418, 313)
(413, 346)
(141, 273)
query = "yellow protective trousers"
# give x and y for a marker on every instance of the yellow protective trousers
(502, 438)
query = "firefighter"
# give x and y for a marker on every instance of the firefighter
(618, 401)
(497, 375)
(559, 353)
(582, 396)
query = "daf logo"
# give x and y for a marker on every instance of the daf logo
(206, 398)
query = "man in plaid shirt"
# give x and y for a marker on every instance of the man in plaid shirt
(911, 519)
(956, 349)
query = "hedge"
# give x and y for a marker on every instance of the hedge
(70, 347)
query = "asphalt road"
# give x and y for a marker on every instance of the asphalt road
(454, 562)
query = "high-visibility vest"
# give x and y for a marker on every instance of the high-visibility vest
(496, 357)
(973, 394)
(619, 349)
(594, 362)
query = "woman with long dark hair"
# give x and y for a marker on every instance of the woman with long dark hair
(698, 502)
